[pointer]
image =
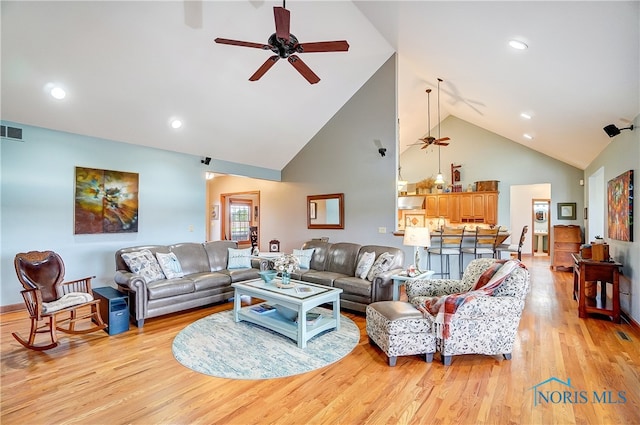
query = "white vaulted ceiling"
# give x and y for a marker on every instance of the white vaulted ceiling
(129, 67)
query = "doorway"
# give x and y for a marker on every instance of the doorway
(240, 217)
(521, 212)
(540, 225)
(597, 202)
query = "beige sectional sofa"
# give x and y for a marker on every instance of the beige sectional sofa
(206, 278)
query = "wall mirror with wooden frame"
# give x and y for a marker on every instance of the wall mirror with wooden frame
(325, 211)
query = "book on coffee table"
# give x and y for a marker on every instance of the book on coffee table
(263, 308)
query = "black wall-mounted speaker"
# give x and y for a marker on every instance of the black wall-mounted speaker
(611, 130)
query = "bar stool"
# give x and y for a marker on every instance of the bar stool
(484, 243)
(513, 248)
(450, 244)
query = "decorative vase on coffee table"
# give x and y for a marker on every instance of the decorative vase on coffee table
(286, 278)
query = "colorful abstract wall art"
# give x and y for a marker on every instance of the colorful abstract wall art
(105, 201)
(620, 207)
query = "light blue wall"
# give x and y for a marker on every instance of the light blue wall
(38, 201)
(621, 155)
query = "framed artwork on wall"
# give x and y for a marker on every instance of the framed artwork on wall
(105, 201)
(566, 210)
(620, 207)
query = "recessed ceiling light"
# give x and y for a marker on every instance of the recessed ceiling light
(175, 123)
(58, 93)
(525, 116)
(527, 136)
(517, 44)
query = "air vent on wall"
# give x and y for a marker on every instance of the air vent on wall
(11, 133)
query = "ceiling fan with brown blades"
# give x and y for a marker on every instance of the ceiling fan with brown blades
(430, 140)
(286, 46)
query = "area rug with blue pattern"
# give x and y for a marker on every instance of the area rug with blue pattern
(216, 345)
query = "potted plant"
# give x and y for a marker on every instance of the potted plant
(426, 185)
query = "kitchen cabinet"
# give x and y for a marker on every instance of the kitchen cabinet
(463, 207)
(431, 205)
(454, 209)
(491, 208)
(472, 207)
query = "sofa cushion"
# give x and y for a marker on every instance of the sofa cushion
(364, 264)
(381, 265)
(320, 251)
(166, 288)
(304, 257)
(218, 254)
(209, 280)
(239, 258)
(144, 263)
(321, 278)
(354, 285)
(342, 258)
(192, 256)
(170, 265)
(239, 275)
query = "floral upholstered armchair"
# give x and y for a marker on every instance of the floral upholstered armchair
(477, 314)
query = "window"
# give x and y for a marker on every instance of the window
(239, 219)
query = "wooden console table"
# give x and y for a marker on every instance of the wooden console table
(592, 271)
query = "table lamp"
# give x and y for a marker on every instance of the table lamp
(417, 237)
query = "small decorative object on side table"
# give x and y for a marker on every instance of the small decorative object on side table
(274, 245)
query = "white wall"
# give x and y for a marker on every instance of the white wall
(521, 210)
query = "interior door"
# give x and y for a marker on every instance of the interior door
(240, 216)
(540, 226)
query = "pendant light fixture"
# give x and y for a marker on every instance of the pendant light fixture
(402, 183)
(439, 177)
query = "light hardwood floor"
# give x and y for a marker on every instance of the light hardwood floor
(132, 378)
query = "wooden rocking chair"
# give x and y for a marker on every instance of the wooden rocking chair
(47, 298)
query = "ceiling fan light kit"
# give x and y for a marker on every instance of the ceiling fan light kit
(286, 46)
(439, 177)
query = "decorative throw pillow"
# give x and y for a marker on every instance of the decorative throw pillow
(381, 265)
(239, 258)
(144, 263)
(364, 265)
(170, 265)
(304, 256)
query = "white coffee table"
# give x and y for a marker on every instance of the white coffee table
(401, 279)
(290, 298)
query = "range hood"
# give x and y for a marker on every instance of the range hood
(410, 202)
